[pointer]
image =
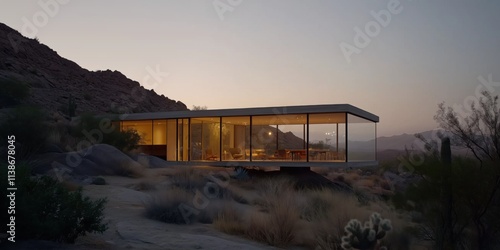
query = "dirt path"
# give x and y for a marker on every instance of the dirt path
(129, 229)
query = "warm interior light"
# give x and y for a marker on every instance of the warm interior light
(270, 133)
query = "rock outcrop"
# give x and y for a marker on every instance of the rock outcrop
(52, 79)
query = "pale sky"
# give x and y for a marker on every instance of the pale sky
(282, 52)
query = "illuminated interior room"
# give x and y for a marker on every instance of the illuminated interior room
(313, 135)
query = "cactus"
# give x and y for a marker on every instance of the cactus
(71, 106)
(447, 192)
(446, 150)
(366, 237)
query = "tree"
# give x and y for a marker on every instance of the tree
(460, 198)
(199, 107)
(30, 128)
(479, 131)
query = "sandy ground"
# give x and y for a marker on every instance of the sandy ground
(130, 229)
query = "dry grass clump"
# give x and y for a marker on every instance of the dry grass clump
(277, 227)
(329, 212)
(276, 222)
(274, 216)
(230, 221)
(269, 190)
(169, 206)
(187, 178)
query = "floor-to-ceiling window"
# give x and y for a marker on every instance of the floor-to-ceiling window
(236, 138)
(183, 139)
(279, 137)
(144, 128)
(327, 137)
(205, 138)
(159, 134)
(361, 145)
(171, 139)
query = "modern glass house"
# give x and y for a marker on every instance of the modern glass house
(333, 135)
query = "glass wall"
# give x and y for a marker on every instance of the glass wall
(362, 139)
(236, 138)
(159, 135)
(183, 139)
(279, 137)
(259, 138)
(171, 140)
(205, 139)
(327, 137)
(143, 128)
(159, 132)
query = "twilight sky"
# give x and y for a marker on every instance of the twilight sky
(250, 53)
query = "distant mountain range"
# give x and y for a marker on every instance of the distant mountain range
(53, 80)
(390, 147)
(400, 142)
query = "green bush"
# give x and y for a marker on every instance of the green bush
(12, 93)
(28, 125)
(45, 210)
(458, 206)
(122, 140)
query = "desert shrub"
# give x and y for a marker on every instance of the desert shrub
(327, 212)
(458, 202)
(188, 178)
(170, 206)
(317, 205)
(272, 189)
(46, 210)
(12, 93)
(122, 140)
(278, 226)
(28, 125)
(99, 180)
(230, 222)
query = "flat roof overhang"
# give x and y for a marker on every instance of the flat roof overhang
(281, 110)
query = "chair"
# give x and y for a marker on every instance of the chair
(280, 154)
(209, 155)
(236, 153)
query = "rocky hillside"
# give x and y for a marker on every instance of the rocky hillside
(52, 79)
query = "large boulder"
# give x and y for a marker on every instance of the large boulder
(150, 161)
(99, 159)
